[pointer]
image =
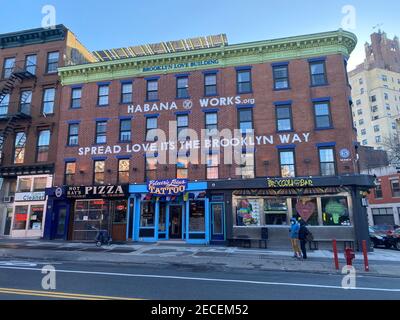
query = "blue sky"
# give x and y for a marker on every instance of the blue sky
(118, 23)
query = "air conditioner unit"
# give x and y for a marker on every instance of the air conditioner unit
(8, 199)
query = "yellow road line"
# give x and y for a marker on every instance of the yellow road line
(60, 294)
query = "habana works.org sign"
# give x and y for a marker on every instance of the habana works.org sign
(183, 65)
(189, 104)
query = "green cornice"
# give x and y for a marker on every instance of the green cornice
(319, 44)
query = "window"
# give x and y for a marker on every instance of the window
(36, 218)
(76, 96)
(387, 106)
(197, 216)
(335, 211)
(182, 87)
(287, 163)
(104, 91)
(384, 78)
(52, 62)
(48, 101)
(98, 172)
(43, 146)
(378, 191)
(376, 128)
(359, 112)
(247, 168)
(362, 91)
(386, 96)
(101, 132)
(358, 102)
(363, 132)
(322, 115)
(69, 173)
(395, 186)
(374, 108)
(125, 130)
(152, 90)
(147, 214)
(210, 85)
(361, 122)
(318, 74)
(25, 101)
(30, 63)
(360, 81)
(373, 99)
(121, 210)
(182, 125)
(212, 166)
(281, 77)
(127, 92)
(4, 103)
(182, 167)
(123, 171)
(8, 69)
(19, 147)
(151, 168)
(275, 211)
(327, 161)
(73, 134)
(383, 217)
(20, 217)
(364, 142)
(307, 204)
(211, 123)
(39, 184)
(245, 120)
(284, 118)
(24, 185)
(244, 81)
(151, 124)
(394, 126)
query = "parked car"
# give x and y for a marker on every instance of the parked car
(379, 236)
(394, 239)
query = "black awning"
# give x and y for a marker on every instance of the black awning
(14, 171)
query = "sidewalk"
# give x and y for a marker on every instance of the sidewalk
(382, 262)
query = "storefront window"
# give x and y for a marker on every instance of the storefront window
(307, 209)
(275, 211)
(335, 211)
(247, 212)
(147, 214)
(24, 185)
(39, 184)
(197, 216)
(162, 217)
(20, 217)
(120, 211)
(36, 218)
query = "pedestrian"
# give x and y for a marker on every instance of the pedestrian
(294, 237)
(303, 237)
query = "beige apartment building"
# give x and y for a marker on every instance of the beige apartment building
(376, 92)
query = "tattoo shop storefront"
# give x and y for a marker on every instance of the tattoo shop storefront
(173, 209)
(77, 213)
(333, 207)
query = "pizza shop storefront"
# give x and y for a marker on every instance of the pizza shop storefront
(77, 213)
(172, 209)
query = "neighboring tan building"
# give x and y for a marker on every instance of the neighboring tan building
(288, 99)
(30, 94)
(376, 93)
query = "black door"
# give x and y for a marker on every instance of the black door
(7, 228)
(175, 222)
(60, 227)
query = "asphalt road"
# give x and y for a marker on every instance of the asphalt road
(87, 281)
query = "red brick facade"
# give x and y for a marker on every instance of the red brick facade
(300, 93)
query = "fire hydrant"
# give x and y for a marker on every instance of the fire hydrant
(349, 256)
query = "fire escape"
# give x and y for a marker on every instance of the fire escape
(12, 119)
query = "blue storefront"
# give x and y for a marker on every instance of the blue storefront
(162, 211)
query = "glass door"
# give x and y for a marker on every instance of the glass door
(61, 223)
(175, 222)
(217, 221)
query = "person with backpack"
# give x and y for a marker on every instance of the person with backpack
(294, 237)
(304, 236)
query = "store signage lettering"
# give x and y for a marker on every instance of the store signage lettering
(188, 104)
(290, 138)
(184, 65)
(93, 191)
(289, 183)
(30, 196)
(169, 187)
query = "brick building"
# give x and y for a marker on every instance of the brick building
(293, 151)
(30, 93)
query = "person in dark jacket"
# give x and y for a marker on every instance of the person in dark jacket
(303, 232)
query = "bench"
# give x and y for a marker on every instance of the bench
(347, 243)
(245, 241)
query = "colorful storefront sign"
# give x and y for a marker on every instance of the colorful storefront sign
(169, 187)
